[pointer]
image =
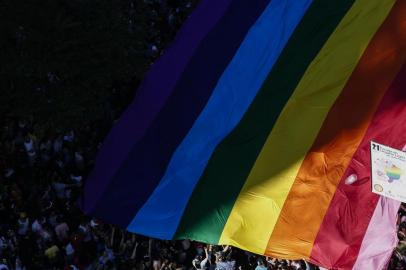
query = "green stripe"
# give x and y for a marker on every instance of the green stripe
(213, 198)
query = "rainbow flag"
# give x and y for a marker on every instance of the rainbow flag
(246, 131)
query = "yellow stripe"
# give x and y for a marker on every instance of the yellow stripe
(260, 201)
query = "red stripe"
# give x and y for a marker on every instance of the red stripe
(337, 141)
(352, 207)
(347, 218)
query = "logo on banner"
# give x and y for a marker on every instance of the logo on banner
(388, 171)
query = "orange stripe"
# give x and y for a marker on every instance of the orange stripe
(339, 137)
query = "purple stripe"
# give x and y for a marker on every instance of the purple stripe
(147, 162)
(151, 97)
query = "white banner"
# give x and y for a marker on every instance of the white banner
(388, 171)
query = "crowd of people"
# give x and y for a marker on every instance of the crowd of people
(41, 227)
(398, 260)
(165, 17)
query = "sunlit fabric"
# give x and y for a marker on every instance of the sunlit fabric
(253, 130)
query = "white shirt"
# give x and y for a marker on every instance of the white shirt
(45, 235)
(23, 226)
(36, 226)
(69, 137)
(58, 145)
(77, 179)
(225, 265)
(29, 145)
(78, 157)
(69, 249)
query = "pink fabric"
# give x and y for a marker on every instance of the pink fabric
(380, 238)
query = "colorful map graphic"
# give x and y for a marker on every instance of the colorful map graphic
(393, 173)
(387, 171)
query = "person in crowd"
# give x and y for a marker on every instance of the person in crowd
(261, 265)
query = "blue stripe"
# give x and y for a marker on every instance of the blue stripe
(151, 97)
(234, 92)
(143, 167)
